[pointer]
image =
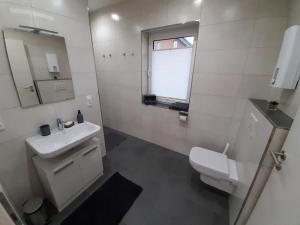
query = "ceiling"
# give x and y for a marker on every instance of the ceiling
(97, 4)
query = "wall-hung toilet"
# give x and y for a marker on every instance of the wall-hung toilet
(215, 169)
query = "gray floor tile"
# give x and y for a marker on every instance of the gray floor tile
(173, 193)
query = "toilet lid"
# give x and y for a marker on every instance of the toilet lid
(210, 162)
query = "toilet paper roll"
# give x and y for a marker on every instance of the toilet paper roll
(183, 118)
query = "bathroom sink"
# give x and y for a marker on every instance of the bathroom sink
(61, 141)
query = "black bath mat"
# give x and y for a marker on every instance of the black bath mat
(113, 140)
(107, 205)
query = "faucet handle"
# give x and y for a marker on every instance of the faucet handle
(60, 124)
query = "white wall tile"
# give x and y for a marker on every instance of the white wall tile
(273, 8)
(213, 105)
(268, 32)
(256, 86)
(215, 11)
(152, 20)
(12, 15)
(233, 35)
(19, 2)
(208, 131)
(240, 108)
(221, 61)
(151, 6)
(13, 162)
(81, 60)
(131, 79)
(4, 67)
(216, 84)
(104, 28)
(76, 33)
(84, 83)
(20, 122)
(70, 8)
(181, 11)
(294, 8)
(262, 61)
(8, 95)
(130, 95)
(66, 110)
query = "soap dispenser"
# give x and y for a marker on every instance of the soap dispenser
(80, 117)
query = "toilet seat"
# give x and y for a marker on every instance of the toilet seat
(215, 168)
(209, 162)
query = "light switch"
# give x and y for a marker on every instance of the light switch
(89, 100)
(2, 126)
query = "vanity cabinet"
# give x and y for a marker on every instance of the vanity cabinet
(66, 176)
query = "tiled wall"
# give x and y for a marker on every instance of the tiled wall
(70, 19)
(239, 41)
(294, 16)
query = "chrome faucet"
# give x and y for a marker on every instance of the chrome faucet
(60, 124)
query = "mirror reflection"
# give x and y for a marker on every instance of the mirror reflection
(40, 67)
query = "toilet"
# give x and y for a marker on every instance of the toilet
(215, 168)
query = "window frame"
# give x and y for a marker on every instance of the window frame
(166, 34)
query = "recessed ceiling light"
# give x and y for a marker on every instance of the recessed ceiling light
(197, 2)
(115, 17)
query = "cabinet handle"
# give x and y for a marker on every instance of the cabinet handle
(89, 151)
(62, 167)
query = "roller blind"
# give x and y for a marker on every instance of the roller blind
(171, 72)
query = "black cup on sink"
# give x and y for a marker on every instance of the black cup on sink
(45, 130)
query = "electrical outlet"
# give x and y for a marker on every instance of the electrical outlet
(2, 126)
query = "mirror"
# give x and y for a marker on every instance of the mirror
(40, 67)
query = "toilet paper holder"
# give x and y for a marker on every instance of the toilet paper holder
(183, 116)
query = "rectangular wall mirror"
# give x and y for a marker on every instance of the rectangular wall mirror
(40, 67)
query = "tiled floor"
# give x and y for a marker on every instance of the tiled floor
(172, 191)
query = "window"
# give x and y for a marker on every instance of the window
(171, 68)
(170, 63)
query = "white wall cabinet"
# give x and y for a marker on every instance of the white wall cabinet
(287, 71)
(66, 176)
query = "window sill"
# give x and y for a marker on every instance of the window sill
(166, 106)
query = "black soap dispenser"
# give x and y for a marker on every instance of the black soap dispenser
(80, 117)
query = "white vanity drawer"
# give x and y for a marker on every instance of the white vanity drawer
(90, 162)
(66, 180)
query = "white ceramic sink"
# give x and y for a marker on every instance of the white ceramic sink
(61, 141)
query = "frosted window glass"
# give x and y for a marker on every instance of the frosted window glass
(171, 73)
